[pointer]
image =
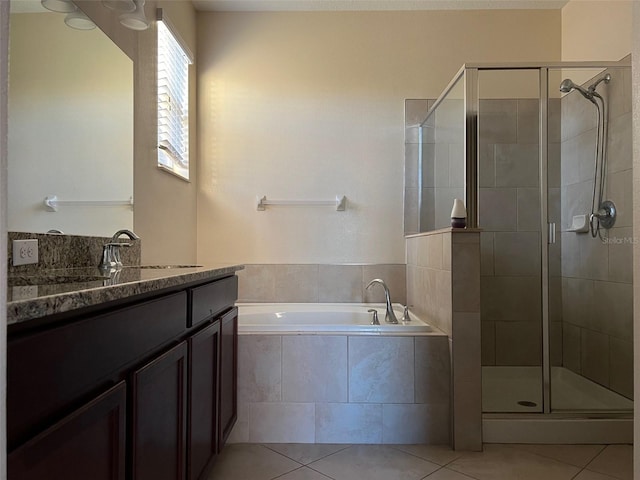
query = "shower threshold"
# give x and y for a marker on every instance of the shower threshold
(583, 411)
(519, 390)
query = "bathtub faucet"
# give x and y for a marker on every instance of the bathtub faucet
(389, 316)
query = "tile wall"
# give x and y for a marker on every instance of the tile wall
(443, 285)
(312, 283)
(596, 274)
(509, 215)
(343, 389)
(433, 184)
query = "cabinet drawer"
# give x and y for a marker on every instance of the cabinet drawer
(51, 371)
(211, 299)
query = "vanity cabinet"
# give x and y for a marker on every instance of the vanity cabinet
(144, 381)
(228, 374)
(89, 443)
(204, 367)
(158, 414)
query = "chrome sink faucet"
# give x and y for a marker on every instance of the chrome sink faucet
(111, 251)
(389, 316)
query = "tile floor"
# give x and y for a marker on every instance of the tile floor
(409, 462)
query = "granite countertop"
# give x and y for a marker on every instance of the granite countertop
(62, 290)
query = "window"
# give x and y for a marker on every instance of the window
(173, 101)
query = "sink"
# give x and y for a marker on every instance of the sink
(165, 266)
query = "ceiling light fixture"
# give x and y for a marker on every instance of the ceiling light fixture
(79, 21)
(59, 6)
(120, 5)
(135, 20)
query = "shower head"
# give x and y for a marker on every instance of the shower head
(605, 78)
(567, 85)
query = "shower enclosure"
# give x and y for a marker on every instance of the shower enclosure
(541, 155)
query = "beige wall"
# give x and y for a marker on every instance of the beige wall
(596, 30)
(310, 105)
(165, 206)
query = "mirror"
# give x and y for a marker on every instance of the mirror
(70, 126)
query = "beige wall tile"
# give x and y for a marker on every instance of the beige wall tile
(296, 283)
(498, 209)
(282, 422)
(314, 368)
(465, 273)
(340, 283)
(259, 368)
(348, 423)
(467, 389)
(488, 338)
(528, 120)
(615, 303)
(381, 369)
(446, 251)
(595, 356)
(518, 343)
(621, 373)
(394, 275)
(571, 347)
(432, 370)
(516, 165)
(416, 424)
(620, 244)
(256, 283)
(517, 253)
(498, 121)
(511, 299)
(486, 253)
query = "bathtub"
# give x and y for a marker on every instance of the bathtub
(323, 318)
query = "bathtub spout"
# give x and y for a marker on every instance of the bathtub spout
(389, 316)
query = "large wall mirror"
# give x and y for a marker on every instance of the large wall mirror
(70, 126)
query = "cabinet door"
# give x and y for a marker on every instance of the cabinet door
(89, 443)
(202, 417)
(228, 374)
(159, 404)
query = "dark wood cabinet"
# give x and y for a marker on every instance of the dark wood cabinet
(173, 361)
(88, 443)
(158, 411)
(204, 364)
(228, 374)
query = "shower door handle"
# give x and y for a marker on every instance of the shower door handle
(551, 239)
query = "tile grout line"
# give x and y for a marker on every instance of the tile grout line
(448, 470)
(515, 446)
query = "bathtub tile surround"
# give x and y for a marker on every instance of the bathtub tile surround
(381, 369)
(454, 276)
(313, 283)
(305, 379)
(259, 372)
(68, 251)
(343, 389)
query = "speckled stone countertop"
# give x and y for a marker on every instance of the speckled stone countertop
(49, 292)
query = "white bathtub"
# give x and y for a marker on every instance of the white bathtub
(323, 318)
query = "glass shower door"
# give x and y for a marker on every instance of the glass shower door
(590, 266)
(509, 215)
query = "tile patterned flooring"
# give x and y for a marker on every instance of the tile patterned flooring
(416, 462)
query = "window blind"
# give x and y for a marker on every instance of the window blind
(173, 103)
